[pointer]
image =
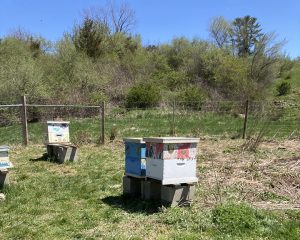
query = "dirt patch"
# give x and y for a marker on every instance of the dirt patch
(270, 175)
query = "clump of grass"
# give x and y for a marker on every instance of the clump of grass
(113, 133)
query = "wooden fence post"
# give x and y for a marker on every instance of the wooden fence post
(245, 119)
(103, 123)
(24, 121)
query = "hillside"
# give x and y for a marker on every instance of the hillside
(292, 77)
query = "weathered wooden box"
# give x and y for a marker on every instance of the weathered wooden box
(135, 162)
(62, 152)
(57, 132)
(172, 160)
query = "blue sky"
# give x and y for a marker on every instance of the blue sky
(158, 21)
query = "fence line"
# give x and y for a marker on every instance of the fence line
(235, 119)
(23, 113)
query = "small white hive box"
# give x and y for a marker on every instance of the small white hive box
(57, 132)
(172, 160)
(5, 164)
(4, 157)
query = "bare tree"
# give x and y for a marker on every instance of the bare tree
(266, 59)
(118, 18)
(220, 31)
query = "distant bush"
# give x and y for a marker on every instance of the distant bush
(283, 88)
(143, 96)
(191, 97)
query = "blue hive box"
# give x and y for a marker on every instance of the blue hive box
(135, 153)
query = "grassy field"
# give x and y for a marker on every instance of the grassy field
(139, 123)
(240, 195)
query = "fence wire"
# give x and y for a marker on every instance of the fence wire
(224, 119)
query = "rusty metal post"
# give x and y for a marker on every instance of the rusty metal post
(24, 121)
(103, 123)
(173, 118)
(245, 119)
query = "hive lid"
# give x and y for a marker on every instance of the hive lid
(58, 122)
(134, 140)
(4, 148)
(171, 140)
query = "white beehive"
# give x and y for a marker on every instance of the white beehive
(57, 132)
(171, 160)
(4, 158)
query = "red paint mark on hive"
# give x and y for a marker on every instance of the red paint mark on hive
(183, 151)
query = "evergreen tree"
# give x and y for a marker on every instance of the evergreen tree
(246, 33)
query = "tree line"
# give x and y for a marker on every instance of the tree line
(101, 60)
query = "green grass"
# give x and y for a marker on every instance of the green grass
(140, 123)
(84, 201)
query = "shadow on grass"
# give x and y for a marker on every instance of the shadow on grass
(44, 158)
(132, 205)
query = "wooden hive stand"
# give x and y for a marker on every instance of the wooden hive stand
(62, 152)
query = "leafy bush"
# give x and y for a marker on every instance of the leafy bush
(143, 96)
(191, 97)
(283, 88)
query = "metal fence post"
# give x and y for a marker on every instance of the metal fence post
(245, 119)
(24, 121)
(103, 123)
(173, 118)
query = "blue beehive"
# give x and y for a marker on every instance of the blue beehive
(135, 153)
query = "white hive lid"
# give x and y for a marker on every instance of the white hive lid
(4, 148)
(134, 140)
(171, 140)
(58, 122)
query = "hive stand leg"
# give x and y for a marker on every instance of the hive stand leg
(74, 154)
(4, 178)
(151, 190)
(50, 151)
(61, 154)
(132, 186)
(174, 195)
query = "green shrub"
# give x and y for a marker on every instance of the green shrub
(283, 88)
(143, 96)
(191, 97)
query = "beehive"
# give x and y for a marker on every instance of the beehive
(172, 160)
(135, 162)
(4, 158)
(57, 132)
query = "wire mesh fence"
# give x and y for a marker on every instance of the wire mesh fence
(89, 123)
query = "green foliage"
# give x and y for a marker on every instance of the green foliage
(283, 88)
(91, 38)
(143, 96)
(20, 72)
(191, 97)
(246, 33)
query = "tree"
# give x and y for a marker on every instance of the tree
(220, 31)
(91, 37)
(246, 32)
(117, 18)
